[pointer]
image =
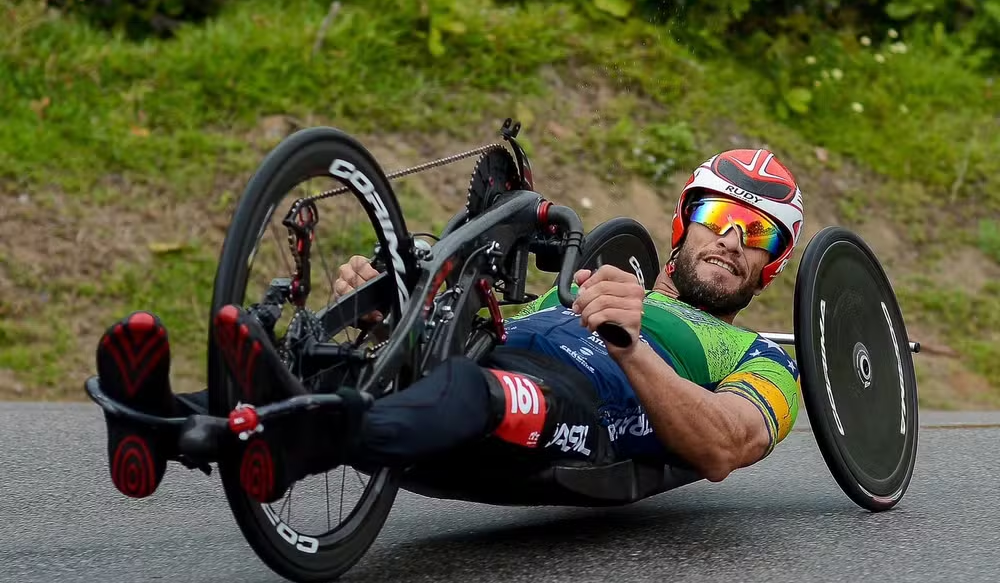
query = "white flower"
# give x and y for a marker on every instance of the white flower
(810, 60)
(879, 58)
(865, 41)
(837, 74)
(825, 74)
(857, 107)
(897, 47)
(816, 83)
(893, 33)
(903, 108)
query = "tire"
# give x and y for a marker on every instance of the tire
(624, 243)
(305, 154)
(856, 369)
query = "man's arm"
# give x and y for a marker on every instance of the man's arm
(715, 432)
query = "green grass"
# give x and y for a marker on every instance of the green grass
(971, 323)
(86, 112)
(87, 103)
(989, 238)
(176, 286)
(36, 348)
(920, 120)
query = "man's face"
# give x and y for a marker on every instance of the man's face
(720, 290)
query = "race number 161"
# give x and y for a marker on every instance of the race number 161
(523, 395)
(524, 416)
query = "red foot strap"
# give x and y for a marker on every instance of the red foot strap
(524, 416)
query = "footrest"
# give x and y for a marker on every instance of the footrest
(140, 444)
(115, 409)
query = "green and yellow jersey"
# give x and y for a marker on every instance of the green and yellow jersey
(701, 348)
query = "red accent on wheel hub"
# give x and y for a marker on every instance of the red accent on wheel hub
(243, 419)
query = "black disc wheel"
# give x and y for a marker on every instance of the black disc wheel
(624, 243)
(856, 368)
(325, 523)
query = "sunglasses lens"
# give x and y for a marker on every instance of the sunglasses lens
(757, 230)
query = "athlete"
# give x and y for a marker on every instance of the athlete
(692, 389)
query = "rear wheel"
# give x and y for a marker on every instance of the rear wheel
(324, 537)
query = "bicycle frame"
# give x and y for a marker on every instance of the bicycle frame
(502, 232)
(487, 242)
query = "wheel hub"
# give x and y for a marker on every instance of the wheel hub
(863, 365)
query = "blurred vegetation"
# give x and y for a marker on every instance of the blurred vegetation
(161, 97)
(141, 18)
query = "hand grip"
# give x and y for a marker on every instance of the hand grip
(610, 331)
(615, 334)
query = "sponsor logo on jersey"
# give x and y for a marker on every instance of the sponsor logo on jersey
(635, 425)
(625, 421)
(596, 339)
(577, 357)
(571, 438)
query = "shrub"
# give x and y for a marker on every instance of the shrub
(139, 19)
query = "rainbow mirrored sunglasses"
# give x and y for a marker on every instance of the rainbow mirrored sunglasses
(756, 230)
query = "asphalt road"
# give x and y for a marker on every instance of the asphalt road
(782, 520)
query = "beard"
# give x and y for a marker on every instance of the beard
(710, 296)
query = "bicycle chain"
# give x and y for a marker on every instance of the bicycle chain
(412, 170)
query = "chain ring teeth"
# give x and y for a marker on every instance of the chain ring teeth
(472, 177)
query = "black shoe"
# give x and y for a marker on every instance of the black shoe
(133, 364)
(290, 448)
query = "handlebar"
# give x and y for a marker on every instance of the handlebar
(567, 218)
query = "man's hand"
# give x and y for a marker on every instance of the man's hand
(610, 295)
(351, 276)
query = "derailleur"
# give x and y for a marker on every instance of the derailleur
(301, 223)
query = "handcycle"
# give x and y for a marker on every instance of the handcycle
(442, 299)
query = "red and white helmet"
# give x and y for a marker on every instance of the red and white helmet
(754, 178)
